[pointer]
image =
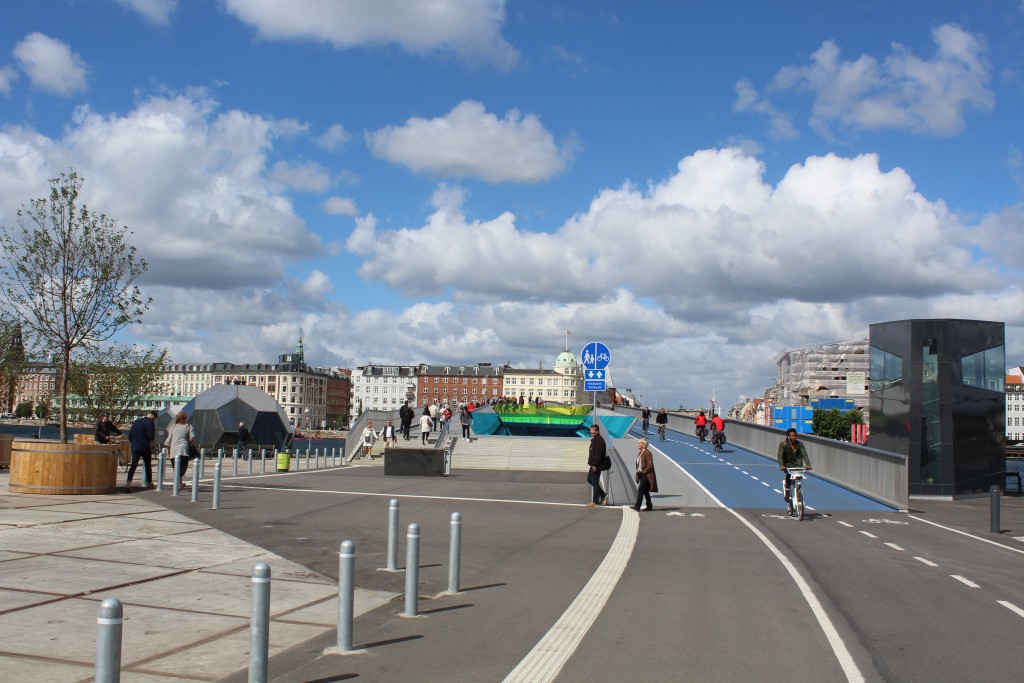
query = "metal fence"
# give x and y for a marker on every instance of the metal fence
(876, 474)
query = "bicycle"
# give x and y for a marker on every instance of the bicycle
(661, 432)
(646, 424)
(124, 456)
(796, 494)
(718, 439)
(701, 433)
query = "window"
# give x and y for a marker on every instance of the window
(984, 369)
(886, 369)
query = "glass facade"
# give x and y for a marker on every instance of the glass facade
(937, 397)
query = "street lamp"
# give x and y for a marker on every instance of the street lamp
(309, 430)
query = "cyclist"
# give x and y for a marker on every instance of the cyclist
(662, 420)
(717, 430)
(646, 417)
(701, 424)
(792, 453)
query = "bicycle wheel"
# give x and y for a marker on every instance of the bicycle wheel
(799, 504)
(123, 461)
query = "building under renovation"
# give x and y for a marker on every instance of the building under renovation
(831, 370)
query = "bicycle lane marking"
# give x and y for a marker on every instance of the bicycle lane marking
(845, 659)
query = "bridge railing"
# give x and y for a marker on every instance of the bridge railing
(876, 474)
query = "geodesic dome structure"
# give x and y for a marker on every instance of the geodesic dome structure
(215, 414)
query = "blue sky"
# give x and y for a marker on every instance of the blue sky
(698, 185)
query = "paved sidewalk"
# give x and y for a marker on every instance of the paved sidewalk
(185, 589)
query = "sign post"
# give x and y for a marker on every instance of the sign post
(595, 358)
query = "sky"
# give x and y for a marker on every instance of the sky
(698, 185)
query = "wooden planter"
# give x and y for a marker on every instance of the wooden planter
(5, 449)
(54, 468)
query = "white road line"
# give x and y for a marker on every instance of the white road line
(777, 491)
(1012, 607)
(846, 525)
(764, 483)
(964, 581)
(927, 562)
(894, 546)
(736, 468)
(744, 471)
(869, 534)
(964, 533)
(853, 674)
(551, 653)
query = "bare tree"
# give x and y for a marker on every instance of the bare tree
(70, 277)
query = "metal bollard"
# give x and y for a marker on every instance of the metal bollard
(109, 625)
(234, 458)
(160, 470)
(393, 535)
(317, 458)
(346, 594)
(195, 482)
(307, 457)
(249, 466)
(202, 462)
(176, 463)
(216, 487)
(259, 624)
(412, 570)
(263, 460)
(454, 552)
(220, 454)
(995, 492)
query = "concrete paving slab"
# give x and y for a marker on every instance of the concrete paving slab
(68, 629)
(31, 516)
(206, 536)
(230, 653)
(8, 555)
(70, 575)
(326, 612)
(47, 539)
(165, 552)
(99, 508)
(164, 515)
(25, 669)
(12, 599)
(281, 568)
(127, 527)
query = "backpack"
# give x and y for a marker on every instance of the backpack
(606, 463)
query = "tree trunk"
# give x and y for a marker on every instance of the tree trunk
(64, 394)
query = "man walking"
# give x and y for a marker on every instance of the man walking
(405, 414)
(141, 436)
(243, 439)
(598, 452)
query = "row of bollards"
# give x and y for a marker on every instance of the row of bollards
(110, 620)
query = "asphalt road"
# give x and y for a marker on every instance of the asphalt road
(705, 592)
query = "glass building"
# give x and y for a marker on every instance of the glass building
(937, 397)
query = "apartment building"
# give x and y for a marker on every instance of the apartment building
(1014, 404)
(563, 383)
(382, 387)
(830, 370)
(459, 384)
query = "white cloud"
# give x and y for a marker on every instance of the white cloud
(51, 65)
(316, 285)
(156, 12)
(308, 176)
(468, 28)
(7, 76)
(340, 206)
(748, 99)
(901, 92)
(469, 142)
(334, 138)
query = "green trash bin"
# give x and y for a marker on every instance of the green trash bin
(284, 461)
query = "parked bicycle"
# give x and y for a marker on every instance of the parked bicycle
(796, 494)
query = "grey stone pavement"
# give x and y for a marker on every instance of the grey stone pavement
(696, 593)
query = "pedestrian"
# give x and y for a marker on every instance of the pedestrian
(433, 413)
(426, 424)
(446, 414)
(179, 437)
(369, 436)
(104, 428)
(405, 414)
(465, 419)
(243, 439)
(140, 437)
(390, 434)
(598, 461)
(646, 480)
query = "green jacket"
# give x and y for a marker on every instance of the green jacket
(787, 457)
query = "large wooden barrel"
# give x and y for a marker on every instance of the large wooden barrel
(54, 468)
(5, 449)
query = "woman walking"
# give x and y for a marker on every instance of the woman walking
(646, 480)
(179, 437)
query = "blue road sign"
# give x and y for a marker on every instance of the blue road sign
(594, 385)
(594, 374)
(596, 356)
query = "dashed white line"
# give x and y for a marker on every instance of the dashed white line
(777, 491)
(764, 483)
(736, 468)
(869, 534)
(964, 581)
(755, 479)
(894, 546)
(744, 471)
(1012, 607)
(927, 562)
(846, 525)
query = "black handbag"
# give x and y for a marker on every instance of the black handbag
(193, 452)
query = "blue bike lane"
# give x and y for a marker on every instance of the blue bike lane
(742, 479)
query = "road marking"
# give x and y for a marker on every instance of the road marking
(551, 653)
(1012, 607)
(964, 581)
(883, 521)
(755, 479)
(927, 562)
(401, 495)
(964, 533)
(735, 467)
(894, 546)
(869, 534)
(777, 491)
(744, 471)
(846, 525)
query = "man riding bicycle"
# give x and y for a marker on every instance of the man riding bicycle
(717, 430)
(792, 453)
(662, 421)
(646, 417)
(701, 424)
